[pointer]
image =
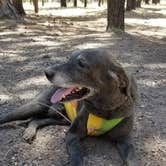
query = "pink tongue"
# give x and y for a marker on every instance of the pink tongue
(57, 96)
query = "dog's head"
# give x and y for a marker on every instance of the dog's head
(88, 73)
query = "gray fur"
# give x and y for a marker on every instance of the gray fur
(113, 94)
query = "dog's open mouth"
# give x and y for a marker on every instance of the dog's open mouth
(69, 94)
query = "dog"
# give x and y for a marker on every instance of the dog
(93, 94)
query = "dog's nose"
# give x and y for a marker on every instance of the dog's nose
(49, 74)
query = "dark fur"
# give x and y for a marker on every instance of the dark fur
(114, 95)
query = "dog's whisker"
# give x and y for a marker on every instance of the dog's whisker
(56, 111)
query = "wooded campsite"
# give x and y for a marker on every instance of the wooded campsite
(35, 34)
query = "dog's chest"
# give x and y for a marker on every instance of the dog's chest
(95, 125)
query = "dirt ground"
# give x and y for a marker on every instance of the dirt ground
(27, 49)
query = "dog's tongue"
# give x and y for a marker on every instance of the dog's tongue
(57, 96)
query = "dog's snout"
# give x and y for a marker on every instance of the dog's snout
(49, 74)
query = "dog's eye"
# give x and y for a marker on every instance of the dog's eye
(81, 64)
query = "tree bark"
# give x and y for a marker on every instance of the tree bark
(131, 4)
(8, 10)
(75, 3)
(36, 7)
(19, 6)
(115, 14)
(63, 3)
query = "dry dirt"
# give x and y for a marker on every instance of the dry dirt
(27, 49)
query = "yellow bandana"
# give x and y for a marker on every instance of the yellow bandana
(95, 125)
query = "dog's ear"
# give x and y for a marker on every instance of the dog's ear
(118, 73)
(113, 76)
(124, 81)
(120, 76)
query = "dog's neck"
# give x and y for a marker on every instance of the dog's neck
(108, 99)
(104, 105)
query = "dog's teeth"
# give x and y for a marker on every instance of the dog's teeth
(73, 91)
(78, 89)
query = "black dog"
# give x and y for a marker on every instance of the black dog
(94, 94)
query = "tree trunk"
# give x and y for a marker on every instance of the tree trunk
(146, 1)
(138, 3)
(100, 2)
(131, 4)
(8, 10)
(115, 14)
(36, 7)
(63, 3)
(75, 3)
(19, 6)
(155, 1)
(85, 3)
(42, 2)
